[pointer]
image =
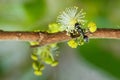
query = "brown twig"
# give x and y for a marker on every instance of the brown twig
(106, 33)
(46, 38)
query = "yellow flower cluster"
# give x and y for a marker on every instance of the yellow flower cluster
(43, 55)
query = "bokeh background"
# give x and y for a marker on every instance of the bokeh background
(97, 60)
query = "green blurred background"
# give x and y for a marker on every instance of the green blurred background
(97, 60)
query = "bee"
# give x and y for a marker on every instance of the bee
(79, 31)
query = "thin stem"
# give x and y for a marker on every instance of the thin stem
(46, 38)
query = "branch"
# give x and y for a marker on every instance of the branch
(46, 38)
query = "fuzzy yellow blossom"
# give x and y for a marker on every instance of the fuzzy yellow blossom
(72, 44)
(69, 17)
(92, 27)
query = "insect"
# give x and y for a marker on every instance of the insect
(79, 31)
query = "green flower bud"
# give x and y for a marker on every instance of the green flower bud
(54, 63)
(81, 43)
(38, 73)
(34, 57)
(34, 43)
(42, 67)
(35, 66)
(48, 60)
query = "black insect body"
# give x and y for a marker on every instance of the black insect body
(85, 38)
(81, 31)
